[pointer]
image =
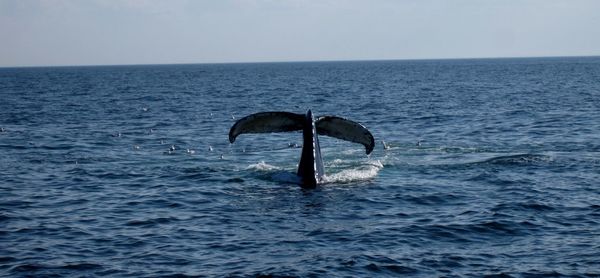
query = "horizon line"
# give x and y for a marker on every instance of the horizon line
(301, 61)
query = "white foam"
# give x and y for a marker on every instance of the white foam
(364, 172)
(262, 166)
(336, 162)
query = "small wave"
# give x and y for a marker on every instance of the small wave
(499, 160)
(7, 259)
(5, 217)
(519, 206)
(151, 222)
(262, 166)
(286, 177)
(336, 162)
(380, 264)
(28, 267)
(391, 269)
(420, 147)
(434, 199)
(81, 266)
(519, 159)
(33, 267)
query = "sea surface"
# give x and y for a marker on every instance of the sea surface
(492, 168)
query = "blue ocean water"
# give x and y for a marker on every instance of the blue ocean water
(492, 169)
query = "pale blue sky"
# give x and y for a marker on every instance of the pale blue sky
(92, 32)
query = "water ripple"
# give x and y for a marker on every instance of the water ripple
(490, 168)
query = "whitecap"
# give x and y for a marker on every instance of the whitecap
(262, 166)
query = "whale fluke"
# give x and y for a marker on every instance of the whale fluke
(310, 168)
(345, 129)
(266, 122)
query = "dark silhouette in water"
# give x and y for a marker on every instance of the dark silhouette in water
(310, 168)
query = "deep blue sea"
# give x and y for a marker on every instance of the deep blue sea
(493, 169)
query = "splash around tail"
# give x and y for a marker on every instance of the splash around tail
(363, 172)
(349, 172)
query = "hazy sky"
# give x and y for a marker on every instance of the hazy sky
(88, 32)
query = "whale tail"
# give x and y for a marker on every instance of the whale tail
(332, 126)
(345, 129)
(267, 122)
